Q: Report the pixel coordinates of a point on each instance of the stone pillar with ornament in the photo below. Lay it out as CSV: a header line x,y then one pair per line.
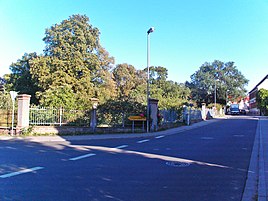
x,y
93,121
153,113
23,112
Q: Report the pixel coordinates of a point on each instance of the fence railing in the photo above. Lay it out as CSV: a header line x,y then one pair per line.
x,y
61,117
169,116
58,117
115,121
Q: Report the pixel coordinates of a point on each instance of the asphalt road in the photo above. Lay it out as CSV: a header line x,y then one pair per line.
x,y
209,163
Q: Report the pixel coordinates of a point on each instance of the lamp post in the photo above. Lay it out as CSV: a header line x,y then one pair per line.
x,y
215,95
227,97
148,75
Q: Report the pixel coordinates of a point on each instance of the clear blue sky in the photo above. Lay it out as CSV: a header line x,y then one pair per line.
x,y
188,32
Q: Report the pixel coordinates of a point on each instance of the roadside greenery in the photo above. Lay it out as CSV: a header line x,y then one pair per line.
x,y
225,77
262,101
74,67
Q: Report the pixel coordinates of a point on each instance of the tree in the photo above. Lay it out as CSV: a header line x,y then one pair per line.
x,y
262,101
170,94
2,82
130,83
20,79
74,65
224,76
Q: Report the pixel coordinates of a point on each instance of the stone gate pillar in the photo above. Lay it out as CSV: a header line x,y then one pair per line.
x,y
23,111
204,115
153,113
93,120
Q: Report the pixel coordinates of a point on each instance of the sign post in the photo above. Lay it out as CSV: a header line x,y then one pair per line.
x,y
13,95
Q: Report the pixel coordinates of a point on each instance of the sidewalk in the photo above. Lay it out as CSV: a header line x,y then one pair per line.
x,y
256,187
263,161
56,138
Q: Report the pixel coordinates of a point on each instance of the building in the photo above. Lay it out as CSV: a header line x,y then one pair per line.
x,y
263,84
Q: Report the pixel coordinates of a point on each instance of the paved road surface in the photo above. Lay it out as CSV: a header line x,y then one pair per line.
x,y
209,163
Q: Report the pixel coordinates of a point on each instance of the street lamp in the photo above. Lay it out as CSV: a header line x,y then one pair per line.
x,y
215,95
148,74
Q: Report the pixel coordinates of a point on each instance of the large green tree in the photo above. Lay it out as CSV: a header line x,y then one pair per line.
x,y
74,67
225,77
169,93
20,79
130,83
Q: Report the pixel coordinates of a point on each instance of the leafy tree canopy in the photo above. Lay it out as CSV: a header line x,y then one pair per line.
x,y
20,79
130,83
170,94
224,76
74,66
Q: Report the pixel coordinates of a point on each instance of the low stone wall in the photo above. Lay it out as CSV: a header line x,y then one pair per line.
x,y
61,130
69,130
4,131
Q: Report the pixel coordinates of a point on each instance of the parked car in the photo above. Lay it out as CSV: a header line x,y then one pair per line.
x,y
243,112
234,109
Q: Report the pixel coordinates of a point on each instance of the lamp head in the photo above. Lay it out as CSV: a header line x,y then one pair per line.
x,y
150,30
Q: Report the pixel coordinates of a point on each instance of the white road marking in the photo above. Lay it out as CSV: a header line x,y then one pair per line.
x,y
153,156
12,174
243,170
207,138
239,135
8,147
81,157
160,136
121,147
142,141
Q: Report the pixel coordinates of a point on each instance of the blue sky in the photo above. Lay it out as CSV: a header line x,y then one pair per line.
x,y
188,32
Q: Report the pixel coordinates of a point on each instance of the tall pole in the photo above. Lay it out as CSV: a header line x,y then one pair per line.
x,y
12,123
148,77
215,94
13,95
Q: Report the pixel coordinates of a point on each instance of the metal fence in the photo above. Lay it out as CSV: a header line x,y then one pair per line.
x,y
169,116
191,115
115,121
58,117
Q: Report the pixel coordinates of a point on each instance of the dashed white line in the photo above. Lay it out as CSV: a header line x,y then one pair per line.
x,y
239,135
121,147
142,141
160,136
207,138
81,157
12,174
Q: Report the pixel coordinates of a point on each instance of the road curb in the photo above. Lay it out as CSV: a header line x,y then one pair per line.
x,y
262,194
250,190
255,188
111,136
